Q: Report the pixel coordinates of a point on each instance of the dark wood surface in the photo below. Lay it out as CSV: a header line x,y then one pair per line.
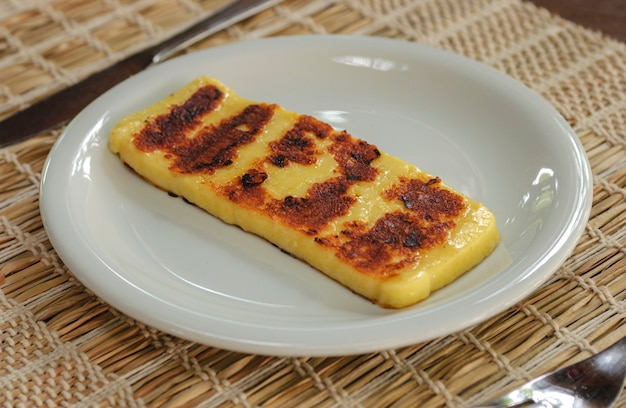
x,y
607,16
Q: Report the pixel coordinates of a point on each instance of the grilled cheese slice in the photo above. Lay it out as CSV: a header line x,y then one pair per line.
x,y
380,226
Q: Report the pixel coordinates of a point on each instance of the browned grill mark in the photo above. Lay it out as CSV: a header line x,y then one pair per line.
x,y
253,178
396,239
392,243
354,157
213,147
169,130
298,143
216,146
427,199
323,203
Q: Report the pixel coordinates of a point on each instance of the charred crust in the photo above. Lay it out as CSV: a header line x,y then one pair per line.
x,y
253,178
279,160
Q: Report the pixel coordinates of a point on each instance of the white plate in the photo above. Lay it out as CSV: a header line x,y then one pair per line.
x,y
172,266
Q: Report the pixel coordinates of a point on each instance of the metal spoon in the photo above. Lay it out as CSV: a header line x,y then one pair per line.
x,y
592,383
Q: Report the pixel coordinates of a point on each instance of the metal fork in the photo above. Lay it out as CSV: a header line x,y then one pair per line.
x,y
592,383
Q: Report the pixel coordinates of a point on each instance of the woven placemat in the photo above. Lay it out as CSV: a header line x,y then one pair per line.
x,y
61,345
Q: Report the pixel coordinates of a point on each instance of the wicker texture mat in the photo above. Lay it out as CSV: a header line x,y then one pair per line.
x,y
61,345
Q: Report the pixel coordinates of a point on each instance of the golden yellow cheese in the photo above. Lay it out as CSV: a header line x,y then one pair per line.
x,y
380,226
